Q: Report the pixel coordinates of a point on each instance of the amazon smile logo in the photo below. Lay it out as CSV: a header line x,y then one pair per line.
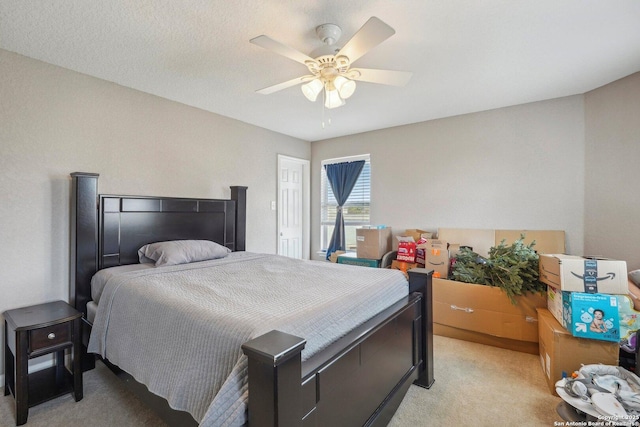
x,y
608,276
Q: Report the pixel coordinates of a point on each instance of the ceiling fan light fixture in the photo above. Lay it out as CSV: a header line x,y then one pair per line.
x,y
344,86
333,99
312,89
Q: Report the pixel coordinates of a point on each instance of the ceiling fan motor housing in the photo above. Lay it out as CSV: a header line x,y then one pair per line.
x,y
328,33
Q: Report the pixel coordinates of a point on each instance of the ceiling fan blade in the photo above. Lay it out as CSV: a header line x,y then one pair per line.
x,y
384,77
370,35
284,85
277,47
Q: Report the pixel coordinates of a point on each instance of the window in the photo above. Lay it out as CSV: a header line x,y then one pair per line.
x,y
355,212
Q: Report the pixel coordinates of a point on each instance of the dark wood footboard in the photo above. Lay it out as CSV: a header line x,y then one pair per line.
x,y
359,380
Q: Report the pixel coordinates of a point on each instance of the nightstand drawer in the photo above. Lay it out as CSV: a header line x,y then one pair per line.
x,y
49,336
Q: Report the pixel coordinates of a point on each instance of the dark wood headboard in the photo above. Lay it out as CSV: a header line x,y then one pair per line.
x,y
108,230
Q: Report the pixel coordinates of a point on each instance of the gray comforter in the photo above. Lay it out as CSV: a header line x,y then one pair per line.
x,y
179,329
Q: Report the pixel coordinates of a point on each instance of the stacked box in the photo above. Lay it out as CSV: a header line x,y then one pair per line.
x,y
592,316
561,353
373,243
436,257
351,259
582,294
406,251
584,274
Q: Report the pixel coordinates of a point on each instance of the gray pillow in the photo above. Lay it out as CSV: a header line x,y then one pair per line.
x,y
181,252
635,277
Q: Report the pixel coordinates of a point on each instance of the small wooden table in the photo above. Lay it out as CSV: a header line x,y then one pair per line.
x,y
36,331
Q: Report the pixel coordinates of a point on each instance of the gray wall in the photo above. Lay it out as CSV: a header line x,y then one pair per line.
x,y
516,167
569,164
519,167
54,121
612,182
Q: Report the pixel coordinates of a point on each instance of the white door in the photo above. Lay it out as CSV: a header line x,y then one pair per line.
x,y
293,194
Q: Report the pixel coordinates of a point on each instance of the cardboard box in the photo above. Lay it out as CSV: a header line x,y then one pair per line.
x,y
561,353
485,314
481,240
334,255
592,316
580,274
436,257
416,233
406,251
420,251
555,305
373,243
350,258
477,337
629,317
454,249
547,241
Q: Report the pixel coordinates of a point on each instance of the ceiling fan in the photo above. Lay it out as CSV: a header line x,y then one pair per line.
x,y
330,67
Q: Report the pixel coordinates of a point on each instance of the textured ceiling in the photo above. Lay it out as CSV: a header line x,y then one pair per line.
x,y
465,56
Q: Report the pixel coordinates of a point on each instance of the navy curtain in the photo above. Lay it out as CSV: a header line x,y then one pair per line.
x,y
342,177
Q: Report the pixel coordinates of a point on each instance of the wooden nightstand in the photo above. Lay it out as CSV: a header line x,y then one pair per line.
x,y
35,331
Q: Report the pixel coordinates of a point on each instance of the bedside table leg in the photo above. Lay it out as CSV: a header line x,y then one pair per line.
x,y
77,359
22,378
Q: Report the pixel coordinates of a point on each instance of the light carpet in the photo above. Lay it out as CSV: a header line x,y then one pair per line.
x,y
475,385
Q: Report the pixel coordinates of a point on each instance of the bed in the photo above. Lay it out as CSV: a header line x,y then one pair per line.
x,y
352,370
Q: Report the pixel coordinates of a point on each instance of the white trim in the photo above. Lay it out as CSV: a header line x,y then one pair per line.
x,y
306,203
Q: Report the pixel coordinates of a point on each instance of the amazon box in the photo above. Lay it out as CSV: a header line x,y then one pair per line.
x,y
561,353
582,274
436,257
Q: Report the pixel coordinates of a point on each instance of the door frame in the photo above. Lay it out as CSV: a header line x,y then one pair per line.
x,y
306,203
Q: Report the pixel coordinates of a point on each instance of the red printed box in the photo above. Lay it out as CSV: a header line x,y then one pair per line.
x,y
406,251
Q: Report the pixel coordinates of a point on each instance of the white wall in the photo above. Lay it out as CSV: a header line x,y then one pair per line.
x,y
612,183
519,167
54,121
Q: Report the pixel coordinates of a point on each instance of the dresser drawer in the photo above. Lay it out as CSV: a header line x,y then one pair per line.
x,y
50,336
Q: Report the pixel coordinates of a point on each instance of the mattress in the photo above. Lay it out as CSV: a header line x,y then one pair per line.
x,y
179,329
100,279
92,309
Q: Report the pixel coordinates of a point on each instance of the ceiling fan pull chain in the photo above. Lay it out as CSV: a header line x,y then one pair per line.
x,y
323,101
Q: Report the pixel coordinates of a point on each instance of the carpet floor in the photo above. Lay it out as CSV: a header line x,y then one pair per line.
x,y
475,385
